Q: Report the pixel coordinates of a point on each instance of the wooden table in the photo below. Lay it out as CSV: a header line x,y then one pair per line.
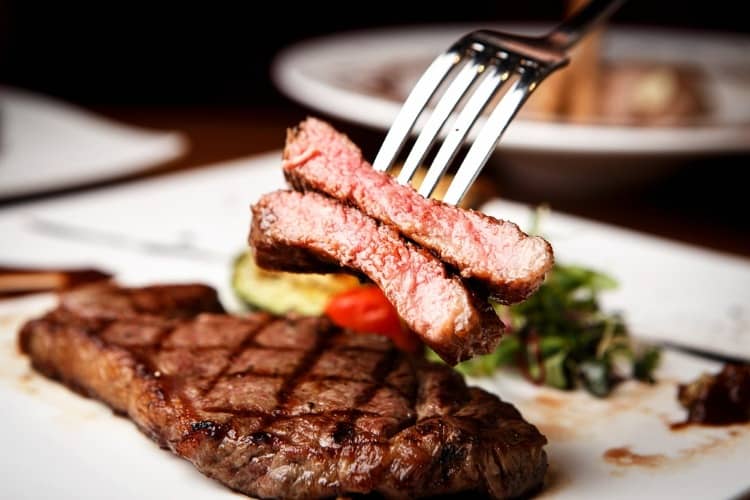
x,y
704,203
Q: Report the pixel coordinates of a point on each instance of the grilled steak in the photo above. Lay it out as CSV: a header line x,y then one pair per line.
x,y
493,252
113,302
435,304
289,407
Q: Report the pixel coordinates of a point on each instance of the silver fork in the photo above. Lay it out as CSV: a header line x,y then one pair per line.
x,y
489,58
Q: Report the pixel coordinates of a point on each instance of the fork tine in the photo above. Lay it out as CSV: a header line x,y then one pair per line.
x,y
489,136
413,106
448,102
477,102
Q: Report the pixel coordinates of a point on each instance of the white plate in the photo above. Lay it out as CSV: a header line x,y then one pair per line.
x,y
46,144
189,227
336,74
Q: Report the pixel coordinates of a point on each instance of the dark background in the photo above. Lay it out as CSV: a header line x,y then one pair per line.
x,y
218,52
203,69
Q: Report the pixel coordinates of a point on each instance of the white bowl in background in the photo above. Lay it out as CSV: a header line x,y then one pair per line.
x,y
335,75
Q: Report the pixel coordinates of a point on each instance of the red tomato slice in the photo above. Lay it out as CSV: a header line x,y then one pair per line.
x,y
365,309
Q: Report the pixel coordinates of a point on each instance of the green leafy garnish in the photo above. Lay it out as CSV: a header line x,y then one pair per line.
x,y
645,364
560,336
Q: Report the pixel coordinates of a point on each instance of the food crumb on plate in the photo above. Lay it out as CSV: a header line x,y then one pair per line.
x,y
623,456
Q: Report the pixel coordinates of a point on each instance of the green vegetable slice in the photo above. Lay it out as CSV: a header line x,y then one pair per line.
x,y
280,293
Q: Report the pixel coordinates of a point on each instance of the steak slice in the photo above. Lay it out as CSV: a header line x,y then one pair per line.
x,y
308,232
493,252
291,407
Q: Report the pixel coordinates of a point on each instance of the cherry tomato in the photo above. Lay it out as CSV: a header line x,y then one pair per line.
x,y
365,309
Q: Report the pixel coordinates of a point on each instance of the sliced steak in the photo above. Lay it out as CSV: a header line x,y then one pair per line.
x,y
293,231
291,407
493,252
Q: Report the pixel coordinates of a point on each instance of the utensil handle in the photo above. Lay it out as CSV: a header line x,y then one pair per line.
x,y
581,22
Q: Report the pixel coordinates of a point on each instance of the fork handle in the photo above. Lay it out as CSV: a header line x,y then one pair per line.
x,y
581,22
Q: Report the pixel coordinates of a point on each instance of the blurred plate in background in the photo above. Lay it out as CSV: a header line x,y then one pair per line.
x,y
47,145
364,76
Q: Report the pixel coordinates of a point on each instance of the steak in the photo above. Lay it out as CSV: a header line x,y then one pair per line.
x,y
309,232
492,252
288,407
110,301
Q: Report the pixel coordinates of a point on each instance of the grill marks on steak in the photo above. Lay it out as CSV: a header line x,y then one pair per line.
x,y
496,253
434,303
290,407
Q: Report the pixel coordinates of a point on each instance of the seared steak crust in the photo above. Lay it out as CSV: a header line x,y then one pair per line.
x,y
495,253
114,302
309,232
291,407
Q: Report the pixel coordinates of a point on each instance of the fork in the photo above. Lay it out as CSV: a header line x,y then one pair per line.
x,y
487,59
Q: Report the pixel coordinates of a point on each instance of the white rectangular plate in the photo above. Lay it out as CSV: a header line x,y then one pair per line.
x,y
189,227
